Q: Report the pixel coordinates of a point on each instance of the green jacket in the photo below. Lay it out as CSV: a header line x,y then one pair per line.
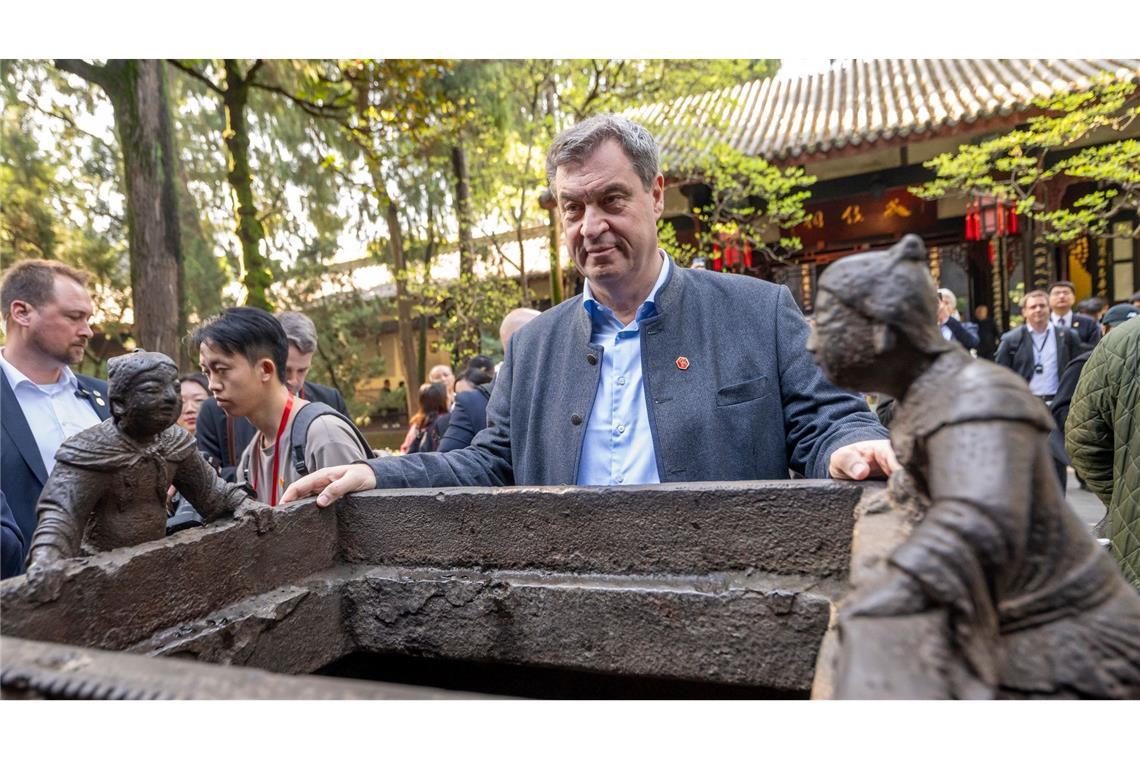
x,y
1102,436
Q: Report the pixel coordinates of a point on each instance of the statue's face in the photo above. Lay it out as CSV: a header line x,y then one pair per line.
x,y
843,343
151,404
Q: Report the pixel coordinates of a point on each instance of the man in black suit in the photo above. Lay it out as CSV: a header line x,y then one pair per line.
x,y
987,332
1062,295
46,313
1038,350
222,438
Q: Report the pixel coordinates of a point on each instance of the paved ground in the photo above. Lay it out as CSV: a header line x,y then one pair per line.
x,y
1084,502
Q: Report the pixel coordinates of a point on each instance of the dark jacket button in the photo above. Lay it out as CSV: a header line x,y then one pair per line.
x,y
575,419
592,360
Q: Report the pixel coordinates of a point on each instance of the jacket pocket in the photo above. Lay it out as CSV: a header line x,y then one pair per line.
x,y
750,390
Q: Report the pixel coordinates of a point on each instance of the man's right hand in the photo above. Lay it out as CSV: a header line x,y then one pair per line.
x,y
333,483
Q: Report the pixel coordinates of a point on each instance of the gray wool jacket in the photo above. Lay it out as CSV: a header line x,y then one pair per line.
x,y
750,405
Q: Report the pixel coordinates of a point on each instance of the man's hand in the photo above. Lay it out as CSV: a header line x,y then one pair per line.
x,y
335,482
862,460
943,312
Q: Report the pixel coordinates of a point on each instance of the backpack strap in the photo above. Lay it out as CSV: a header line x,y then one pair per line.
x,y
300,433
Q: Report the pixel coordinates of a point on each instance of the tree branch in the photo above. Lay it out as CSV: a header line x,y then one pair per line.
x,y
66,119
317,110
249,75
196,74
92,73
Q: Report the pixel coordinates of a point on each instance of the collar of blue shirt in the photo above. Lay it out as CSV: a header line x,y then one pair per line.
x,y
648,308
17,378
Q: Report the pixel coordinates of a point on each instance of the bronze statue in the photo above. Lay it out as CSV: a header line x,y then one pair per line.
x,y
999,590
110,482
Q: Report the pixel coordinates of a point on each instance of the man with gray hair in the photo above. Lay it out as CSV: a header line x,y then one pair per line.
x,y
948,320
654,373
223,438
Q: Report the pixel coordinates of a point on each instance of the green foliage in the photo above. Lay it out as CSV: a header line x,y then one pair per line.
x,y
347,326
59,194
484,301
1054,146
333,146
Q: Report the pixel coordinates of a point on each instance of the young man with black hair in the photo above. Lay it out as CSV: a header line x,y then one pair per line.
x,y
222,437
244,352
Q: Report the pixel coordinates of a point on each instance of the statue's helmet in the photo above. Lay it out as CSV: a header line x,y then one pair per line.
x,y
891,287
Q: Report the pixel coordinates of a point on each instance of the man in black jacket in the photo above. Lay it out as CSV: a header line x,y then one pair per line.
x,y
948,325
1038,350
1062,295
222,438
987,332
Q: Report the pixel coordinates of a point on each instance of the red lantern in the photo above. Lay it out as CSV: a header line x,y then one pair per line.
x,y
987,217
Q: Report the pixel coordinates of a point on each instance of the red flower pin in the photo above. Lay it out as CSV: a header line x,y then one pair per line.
x,y
682,362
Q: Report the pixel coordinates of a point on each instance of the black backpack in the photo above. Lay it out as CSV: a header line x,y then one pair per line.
x,y
300,433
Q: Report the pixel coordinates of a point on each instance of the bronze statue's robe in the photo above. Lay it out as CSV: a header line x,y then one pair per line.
x,y
1034,606
106,491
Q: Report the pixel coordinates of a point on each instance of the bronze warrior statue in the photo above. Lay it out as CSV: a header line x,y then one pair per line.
x,y
999,590
109,485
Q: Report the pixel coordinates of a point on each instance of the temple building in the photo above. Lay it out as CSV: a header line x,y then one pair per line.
x,y
864,128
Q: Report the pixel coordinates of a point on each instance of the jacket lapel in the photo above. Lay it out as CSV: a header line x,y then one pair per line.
x,y
1062,353
94,397
1026,355
16,429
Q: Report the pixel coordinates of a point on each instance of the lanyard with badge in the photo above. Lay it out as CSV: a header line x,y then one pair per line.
x,y
1039,353
276,454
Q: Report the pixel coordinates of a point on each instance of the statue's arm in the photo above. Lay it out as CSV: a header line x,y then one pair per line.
x,y
981,477
62,512
211,496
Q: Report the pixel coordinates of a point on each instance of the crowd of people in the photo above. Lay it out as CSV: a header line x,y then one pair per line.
x,y
640,379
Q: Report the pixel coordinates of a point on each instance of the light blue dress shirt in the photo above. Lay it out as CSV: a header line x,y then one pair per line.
x,y
1045,354
618,445
53,411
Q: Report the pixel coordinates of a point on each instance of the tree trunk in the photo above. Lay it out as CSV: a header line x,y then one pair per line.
x,y
463,209
399,265
403,305
256,274
555,259
429,251
467,341
552,212
137,90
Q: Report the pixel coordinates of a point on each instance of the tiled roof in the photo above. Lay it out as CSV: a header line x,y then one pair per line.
x,y
862,102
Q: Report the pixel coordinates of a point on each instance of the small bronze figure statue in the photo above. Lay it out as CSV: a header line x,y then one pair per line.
x,y
110,482
999,591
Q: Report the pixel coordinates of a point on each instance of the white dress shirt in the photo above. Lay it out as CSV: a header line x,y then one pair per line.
x,y
1065,321
54,412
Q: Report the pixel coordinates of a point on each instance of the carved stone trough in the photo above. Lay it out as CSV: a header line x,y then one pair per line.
x,y
710,589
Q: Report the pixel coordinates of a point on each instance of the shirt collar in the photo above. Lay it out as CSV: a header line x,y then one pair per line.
x,y
16,377
648,306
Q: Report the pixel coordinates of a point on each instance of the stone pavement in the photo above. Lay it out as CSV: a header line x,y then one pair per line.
x,y
1085,503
